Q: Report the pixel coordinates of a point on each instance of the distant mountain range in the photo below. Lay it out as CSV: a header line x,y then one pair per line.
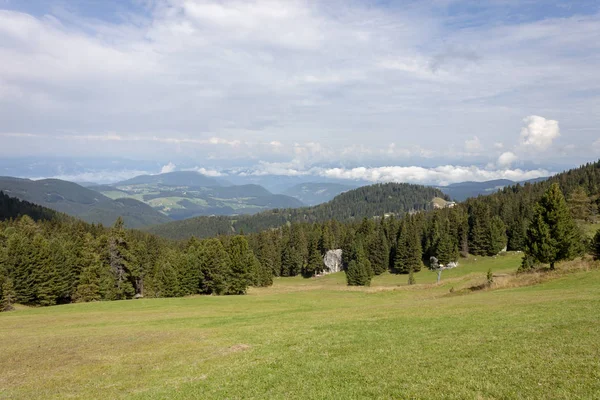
x,y
75,200
186,194
355,204
463,190
156,199
313,193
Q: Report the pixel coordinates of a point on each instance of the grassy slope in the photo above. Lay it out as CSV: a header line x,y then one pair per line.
x,y
293,342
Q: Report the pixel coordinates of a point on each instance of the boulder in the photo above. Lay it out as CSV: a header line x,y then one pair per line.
x,y
332,261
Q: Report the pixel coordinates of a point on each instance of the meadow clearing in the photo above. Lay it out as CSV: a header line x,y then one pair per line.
x,y
316,338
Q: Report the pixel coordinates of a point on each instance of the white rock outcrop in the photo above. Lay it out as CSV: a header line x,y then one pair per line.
x,y
332,261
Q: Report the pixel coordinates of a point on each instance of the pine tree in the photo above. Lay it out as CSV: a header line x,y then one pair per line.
x,y
263,274
497,236
315,264
45,275
378,251
447,250
8,296
479,222
120,259
408,250
580,204
165,281
215,266
326,241
88,288
241,261
553,235
267,253
357,274
188,270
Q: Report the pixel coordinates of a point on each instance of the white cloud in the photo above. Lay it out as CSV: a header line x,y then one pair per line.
x,y
473,145
539,132
441,175
241,74
507,158
209,172
498,145
596,144
170,167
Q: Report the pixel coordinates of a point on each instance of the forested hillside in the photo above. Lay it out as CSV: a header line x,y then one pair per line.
x,y
58,260
186,194
75,200
11,208
48,258
366,201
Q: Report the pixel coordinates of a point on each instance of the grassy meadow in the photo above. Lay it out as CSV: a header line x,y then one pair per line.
x,y
318,339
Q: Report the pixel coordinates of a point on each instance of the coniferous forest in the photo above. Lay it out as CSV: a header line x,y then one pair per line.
x,y
48,258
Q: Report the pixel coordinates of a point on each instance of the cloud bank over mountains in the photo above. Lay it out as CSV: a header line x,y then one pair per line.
x,y
420,91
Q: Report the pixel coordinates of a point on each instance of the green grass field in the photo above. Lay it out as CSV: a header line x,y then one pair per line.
x,y
318,339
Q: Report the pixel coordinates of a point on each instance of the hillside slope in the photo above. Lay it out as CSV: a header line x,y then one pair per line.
x,y
12,208
187,194
77,201
366,201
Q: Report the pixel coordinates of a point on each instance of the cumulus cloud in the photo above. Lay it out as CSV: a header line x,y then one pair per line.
x,y
209,172
170,167
507,158
539,133
473,145
441,175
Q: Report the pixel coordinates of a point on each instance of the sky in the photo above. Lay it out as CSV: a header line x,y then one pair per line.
x,y
436,91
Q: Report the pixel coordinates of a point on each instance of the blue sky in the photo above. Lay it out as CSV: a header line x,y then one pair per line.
x,y
422,91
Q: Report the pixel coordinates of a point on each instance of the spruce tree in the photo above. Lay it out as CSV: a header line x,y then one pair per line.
x,y
120,259
326,241
479,222
497,236
553,235
263,274
580,204
357,274
378,251
8,296
88,288
241,261
215,266
45,273
408,250
315,263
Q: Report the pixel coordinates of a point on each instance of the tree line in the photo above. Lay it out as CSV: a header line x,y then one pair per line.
x,y
58,260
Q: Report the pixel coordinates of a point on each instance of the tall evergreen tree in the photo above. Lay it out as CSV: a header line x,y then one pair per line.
x,y
497,236
479,222
357,274
378,251
580,204
553,235
408,250
241,262
8,296
315,261
215,266
120,260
